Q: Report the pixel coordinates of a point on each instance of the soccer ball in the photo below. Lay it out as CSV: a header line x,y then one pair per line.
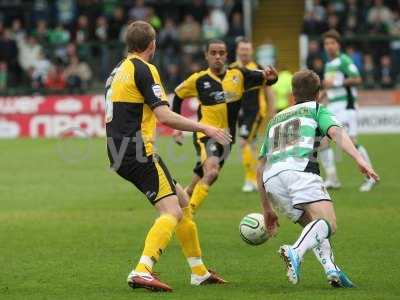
x,y
252,229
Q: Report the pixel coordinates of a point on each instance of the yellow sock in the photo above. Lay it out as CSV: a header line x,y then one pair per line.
x,y
200,192
253,165
249,163
186,232
156,241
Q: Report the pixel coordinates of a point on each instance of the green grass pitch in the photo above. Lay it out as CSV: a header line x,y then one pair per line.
x,y
71,229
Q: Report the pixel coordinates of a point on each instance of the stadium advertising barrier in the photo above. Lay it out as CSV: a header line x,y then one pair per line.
x,y
58,116
51,116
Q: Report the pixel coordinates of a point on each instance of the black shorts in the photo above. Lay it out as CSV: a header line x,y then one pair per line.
x,y
151,177
249,123
205,148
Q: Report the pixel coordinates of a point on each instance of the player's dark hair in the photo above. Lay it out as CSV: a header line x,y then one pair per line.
x,y
139,35
213,41
332,34
305,86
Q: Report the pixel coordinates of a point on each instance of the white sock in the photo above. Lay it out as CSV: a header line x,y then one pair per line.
x,y
323,253
364,153
327,158
311,236
147,261
194,261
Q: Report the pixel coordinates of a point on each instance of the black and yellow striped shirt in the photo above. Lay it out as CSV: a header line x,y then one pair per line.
x,y
133,90
219,96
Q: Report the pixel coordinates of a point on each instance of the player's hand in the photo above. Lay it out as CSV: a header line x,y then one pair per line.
x,y
328,83
270,74
177,135
367,170
271,222
217,134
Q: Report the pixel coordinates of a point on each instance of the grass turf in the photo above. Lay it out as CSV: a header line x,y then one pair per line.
x,y
71,229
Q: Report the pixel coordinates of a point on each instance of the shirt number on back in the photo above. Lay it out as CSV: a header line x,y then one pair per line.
x,y
285,135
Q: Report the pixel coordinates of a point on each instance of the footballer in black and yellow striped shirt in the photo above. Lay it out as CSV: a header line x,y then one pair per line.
x,y
134,89
135,98
219,91
253,114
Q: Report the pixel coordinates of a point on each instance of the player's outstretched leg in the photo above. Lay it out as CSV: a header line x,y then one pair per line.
x,y
311,236
324,254
368,184
187,234
200,192
189,189
336,277
156,241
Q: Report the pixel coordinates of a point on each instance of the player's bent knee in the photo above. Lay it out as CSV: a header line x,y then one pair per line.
x,y
176,212
211,175
189,190
183,197
170,205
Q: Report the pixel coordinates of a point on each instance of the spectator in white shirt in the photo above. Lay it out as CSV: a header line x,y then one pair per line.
x,y
29,53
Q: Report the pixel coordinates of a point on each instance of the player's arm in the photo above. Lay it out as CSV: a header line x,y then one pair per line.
x,y
271,103
178,122
352,73
329,126
352,81
344,142
257,78
186,89
149,84
270,217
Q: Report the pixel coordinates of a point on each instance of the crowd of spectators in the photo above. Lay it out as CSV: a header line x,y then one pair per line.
x,y
71,45
370,32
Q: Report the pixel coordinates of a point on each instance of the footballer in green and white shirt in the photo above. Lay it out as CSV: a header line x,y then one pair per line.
x,y
341,78
288,177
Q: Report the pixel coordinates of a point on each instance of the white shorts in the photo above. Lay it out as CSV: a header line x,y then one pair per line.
x,y
289,189
348,117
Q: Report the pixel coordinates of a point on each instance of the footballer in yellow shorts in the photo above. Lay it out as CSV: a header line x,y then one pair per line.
x,y
135,100
219,90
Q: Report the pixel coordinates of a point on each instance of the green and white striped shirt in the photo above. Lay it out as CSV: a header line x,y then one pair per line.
x,y
292,137
337,70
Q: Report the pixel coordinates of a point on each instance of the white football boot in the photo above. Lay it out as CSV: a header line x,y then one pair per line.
x,y
249,187
332,184
367,185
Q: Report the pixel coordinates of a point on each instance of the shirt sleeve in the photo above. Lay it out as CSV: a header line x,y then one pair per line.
x,y
149,84
252,78
187,88
349,68
177,104
326,120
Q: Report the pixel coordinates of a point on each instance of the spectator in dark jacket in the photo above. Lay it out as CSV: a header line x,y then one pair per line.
x,y
386,75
